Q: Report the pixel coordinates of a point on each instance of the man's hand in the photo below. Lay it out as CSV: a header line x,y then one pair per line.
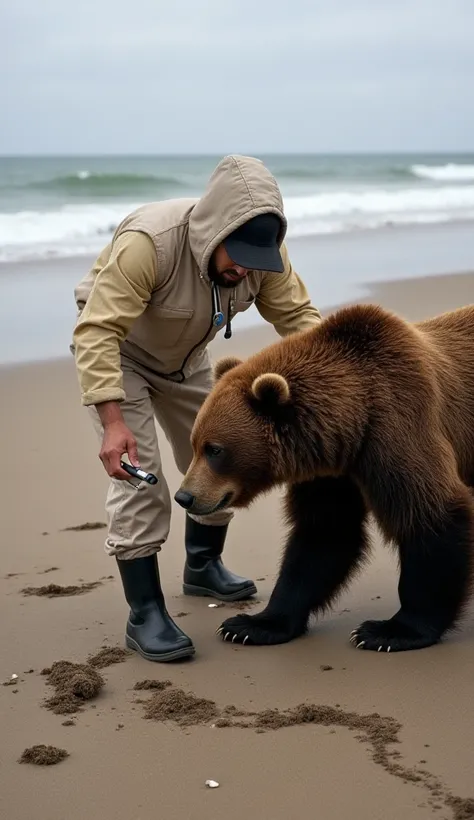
x,y
117,440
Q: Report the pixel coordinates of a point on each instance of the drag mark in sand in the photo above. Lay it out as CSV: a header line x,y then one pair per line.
x,y
179,706
107,656
59,591
42,755
463,808
89,525
149,684
242,606
184,709
76,683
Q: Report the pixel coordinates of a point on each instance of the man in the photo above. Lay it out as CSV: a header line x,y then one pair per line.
x,y
175,273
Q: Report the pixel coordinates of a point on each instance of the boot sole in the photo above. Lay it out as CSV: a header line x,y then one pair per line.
x,y
165,657
203,592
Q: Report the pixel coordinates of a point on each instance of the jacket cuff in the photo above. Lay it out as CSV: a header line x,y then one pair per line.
x,y
101,395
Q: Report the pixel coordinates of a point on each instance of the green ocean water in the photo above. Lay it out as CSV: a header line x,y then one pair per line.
x,y
69,206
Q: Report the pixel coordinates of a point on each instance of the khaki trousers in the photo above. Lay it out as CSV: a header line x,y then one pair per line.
x,y
138,513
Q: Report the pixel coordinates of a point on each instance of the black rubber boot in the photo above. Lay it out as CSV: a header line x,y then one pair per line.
x,y
204,572
150,630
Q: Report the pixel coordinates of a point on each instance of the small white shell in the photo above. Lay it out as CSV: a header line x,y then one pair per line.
x,y
212,606
14,677
212,784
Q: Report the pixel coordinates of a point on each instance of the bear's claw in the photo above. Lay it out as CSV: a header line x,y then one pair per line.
x,y
228,631
354,639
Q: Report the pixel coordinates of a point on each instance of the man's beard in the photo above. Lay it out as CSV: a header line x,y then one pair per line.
x,y
218,278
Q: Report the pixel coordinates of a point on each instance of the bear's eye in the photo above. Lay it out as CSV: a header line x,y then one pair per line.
x,y
212,450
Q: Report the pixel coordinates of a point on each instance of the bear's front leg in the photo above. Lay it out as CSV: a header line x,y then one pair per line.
x,y
326,544
436,561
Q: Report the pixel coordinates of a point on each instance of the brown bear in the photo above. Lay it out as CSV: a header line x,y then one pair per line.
x,y
364,414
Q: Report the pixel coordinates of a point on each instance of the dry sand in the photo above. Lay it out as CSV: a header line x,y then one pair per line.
x,y
314,729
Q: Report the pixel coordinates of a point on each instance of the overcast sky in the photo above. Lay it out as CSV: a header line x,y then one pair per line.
x,y
148,76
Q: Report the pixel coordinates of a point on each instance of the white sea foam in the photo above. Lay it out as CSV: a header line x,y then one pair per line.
x,y
337,211
69,231
444,173
84,229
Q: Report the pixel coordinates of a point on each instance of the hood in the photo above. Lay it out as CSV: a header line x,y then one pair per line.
x,y
239,189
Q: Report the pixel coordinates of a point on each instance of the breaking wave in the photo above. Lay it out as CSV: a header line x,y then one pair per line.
x,y
84,228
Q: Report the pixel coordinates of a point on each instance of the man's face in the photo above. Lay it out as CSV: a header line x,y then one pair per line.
x,y
222,269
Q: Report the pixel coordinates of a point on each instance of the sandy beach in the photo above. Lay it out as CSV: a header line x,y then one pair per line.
x,y
124,760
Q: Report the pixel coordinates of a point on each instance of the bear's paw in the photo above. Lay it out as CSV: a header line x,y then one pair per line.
x,y
393,635
259,630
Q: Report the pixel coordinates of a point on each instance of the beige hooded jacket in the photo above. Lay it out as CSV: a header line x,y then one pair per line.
x,y
149,295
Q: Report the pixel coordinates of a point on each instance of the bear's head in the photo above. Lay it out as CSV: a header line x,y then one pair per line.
x,y
236,439
297,409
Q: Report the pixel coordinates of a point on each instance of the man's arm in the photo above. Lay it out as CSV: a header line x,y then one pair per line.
x,y
284,301
120,293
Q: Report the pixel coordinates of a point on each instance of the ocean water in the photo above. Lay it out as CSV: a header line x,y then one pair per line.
x,y
69,206
57,213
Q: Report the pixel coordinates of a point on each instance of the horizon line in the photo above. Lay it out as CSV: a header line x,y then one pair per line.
x,y
207,154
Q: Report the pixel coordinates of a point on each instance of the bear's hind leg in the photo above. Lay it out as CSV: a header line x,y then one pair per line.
x,y
436,560
326,545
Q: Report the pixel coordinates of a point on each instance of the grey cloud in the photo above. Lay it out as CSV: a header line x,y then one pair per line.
x,y
249,75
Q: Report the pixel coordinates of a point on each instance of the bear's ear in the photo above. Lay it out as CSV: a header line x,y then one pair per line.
x,y
223,365
271,391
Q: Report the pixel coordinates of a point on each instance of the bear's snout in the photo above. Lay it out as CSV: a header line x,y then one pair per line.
x,y
184,498
201,505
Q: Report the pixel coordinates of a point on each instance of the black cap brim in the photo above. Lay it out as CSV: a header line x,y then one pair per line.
x,y
254,257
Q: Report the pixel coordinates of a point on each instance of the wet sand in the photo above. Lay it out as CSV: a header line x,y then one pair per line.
x,y
127,757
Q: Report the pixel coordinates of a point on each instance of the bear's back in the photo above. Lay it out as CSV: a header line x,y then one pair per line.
x,y
421,363
449,340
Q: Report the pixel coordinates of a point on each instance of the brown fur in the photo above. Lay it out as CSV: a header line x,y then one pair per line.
x,y
363,378
365,395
